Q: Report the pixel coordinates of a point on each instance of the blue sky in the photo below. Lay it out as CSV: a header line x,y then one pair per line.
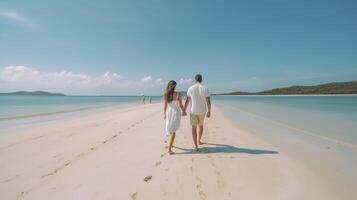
x,y
132,47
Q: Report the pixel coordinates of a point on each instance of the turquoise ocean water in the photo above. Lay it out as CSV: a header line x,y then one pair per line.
x,y
18,111
330,117
319,132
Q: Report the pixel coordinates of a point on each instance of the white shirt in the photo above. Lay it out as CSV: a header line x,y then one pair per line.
x,y
198,94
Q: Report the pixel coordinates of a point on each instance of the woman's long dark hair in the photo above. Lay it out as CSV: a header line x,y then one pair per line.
x,y
170,90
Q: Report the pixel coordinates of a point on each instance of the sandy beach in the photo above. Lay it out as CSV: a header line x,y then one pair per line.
x,y
121,154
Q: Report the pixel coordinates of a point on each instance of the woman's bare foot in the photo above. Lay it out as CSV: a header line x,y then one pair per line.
x,y
201,143
171,152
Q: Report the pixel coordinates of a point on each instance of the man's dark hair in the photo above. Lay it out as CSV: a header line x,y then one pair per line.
x,y
198,78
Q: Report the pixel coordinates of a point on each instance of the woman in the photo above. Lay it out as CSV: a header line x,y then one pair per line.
x,y
172,112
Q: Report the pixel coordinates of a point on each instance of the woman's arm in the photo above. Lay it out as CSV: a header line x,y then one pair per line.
x,y
165,106
181,105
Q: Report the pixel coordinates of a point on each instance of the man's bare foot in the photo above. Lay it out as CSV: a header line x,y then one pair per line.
x,y
201,143
171,152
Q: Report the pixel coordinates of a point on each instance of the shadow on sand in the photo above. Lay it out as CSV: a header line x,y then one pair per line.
x,y
223,148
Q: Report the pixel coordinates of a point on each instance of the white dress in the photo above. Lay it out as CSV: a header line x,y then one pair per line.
x,y
173,117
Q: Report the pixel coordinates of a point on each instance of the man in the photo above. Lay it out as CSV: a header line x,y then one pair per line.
x,y
200,107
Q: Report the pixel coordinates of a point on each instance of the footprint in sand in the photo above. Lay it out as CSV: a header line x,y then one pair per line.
x,y
147,178
201,193
157,163
198,186
133,196
56,170
19,196
80,155
7,180
219,181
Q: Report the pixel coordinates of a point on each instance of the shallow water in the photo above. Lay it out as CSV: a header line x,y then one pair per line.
x,y
318,131
20,111
330,117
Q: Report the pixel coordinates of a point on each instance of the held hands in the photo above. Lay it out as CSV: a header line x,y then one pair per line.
x,y
208,114
184,113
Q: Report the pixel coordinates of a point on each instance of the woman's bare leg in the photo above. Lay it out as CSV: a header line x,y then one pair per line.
x,y
171,142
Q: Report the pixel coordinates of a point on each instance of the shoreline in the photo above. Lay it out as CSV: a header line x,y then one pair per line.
x,y
77,110
29,121
330,159
80,155
287,95
92,156
319,136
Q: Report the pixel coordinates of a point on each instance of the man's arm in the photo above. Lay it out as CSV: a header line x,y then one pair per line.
x,y
208,101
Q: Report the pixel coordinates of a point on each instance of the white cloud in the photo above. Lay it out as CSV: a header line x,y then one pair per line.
x,y
23,74
13,78
146,79
184,81
159,81
15,16
26,78
151,81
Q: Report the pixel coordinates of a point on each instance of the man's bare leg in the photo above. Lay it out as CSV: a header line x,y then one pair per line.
x,y
200,133
194,136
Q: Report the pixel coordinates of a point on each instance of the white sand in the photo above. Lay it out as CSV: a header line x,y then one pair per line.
x,y
108,155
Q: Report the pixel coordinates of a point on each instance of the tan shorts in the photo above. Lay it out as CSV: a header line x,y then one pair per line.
x,y
197,119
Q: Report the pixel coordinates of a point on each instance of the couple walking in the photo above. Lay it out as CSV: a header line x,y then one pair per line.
x,y
200,106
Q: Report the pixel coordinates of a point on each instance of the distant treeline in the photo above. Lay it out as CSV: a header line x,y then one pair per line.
x,y
328,88
35,93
